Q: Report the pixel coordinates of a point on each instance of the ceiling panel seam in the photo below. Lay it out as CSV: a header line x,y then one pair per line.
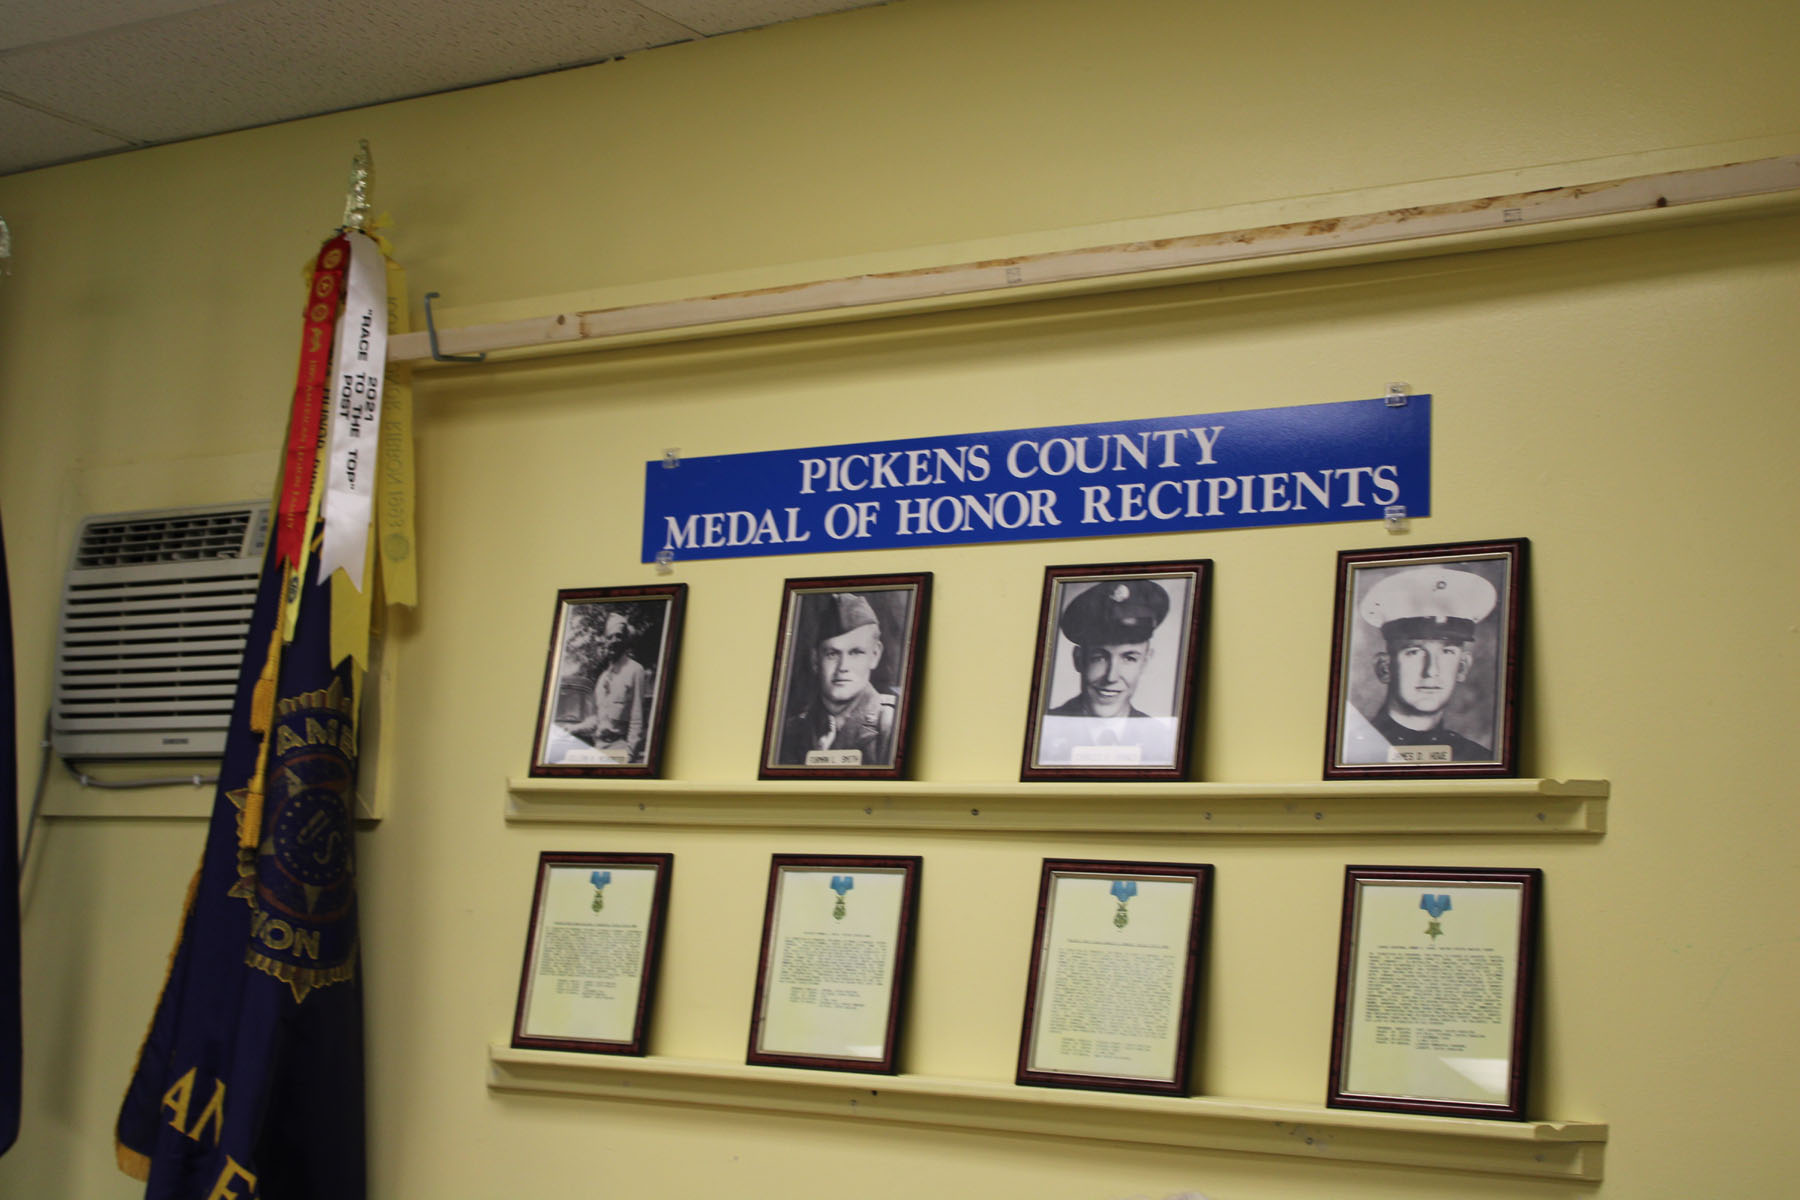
x,y
91,127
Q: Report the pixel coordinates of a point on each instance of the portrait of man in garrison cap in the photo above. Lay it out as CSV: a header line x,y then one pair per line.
x,y
1115,662
1424,646
843,676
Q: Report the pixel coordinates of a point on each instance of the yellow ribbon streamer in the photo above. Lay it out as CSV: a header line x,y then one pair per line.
x,y
395,534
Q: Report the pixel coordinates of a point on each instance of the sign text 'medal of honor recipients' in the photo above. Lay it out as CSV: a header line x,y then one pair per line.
x,y
1347,461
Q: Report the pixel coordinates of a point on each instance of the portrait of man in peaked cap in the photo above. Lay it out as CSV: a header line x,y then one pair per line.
x,y
843,676
1109,626
1113,666
1423,651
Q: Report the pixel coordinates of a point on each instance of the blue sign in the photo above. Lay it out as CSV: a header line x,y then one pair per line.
x,y
1303,465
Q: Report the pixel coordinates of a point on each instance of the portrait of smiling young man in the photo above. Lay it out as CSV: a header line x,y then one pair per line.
x,y
1116,663
1109,627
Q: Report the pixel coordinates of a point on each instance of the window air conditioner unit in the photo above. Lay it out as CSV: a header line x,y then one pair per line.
x,y
155,613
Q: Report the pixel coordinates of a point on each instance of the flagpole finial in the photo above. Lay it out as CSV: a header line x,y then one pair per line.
x,y
362,179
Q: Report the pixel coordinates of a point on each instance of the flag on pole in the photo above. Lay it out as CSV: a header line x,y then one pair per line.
x,y
250,1080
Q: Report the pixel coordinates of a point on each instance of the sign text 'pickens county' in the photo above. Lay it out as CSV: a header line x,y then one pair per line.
x,y
1276,466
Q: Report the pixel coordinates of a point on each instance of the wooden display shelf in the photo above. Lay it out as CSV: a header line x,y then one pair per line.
x,y
1545,1149
1407,806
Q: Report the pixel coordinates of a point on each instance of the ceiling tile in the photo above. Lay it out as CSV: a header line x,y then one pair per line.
x,y
245,64
724,16
152,71
27,22
36,139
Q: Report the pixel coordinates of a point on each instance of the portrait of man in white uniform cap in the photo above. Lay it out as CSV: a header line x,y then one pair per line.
x,y
1421,666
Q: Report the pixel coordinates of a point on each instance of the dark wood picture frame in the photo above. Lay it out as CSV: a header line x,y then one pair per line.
x,y
610,948
822,889
1066,737
1425,651
588,651
876,627
1098,909
1461,972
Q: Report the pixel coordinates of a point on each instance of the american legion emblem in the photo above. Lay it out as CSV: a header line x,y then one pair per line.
x,y
300,880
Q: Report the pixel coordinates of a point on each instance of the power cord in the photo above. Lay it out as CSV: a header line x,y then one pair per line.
x,y
87,781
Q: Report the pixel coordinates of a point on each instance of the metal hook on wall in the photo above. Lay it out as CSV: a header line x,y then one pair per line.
x,y
431,334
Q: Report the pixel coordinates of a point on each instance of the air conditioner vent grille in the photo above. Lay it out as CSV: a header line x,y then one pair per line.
x,y
180,537
156,610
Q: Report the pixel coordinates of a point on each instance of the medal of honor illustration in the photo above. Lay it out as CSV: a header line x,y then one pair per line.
x,y
600,879
841,884
1435,907
1123,890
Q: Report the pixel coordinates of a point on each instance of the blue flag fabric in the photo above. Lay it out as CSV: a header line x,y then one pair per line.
x,y
250,1081
11,1049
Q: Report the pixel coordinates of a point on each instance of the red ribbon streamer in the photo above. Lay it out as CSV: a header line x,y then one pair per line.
x,y
311,383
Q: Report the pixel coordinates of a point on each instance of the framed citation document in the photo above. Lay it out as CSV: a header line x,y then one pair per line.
x,y
1434,981
832,972
591,953
1115,963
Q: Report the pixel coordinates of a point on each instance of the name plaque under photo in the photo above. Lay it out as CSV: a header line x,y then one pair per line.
x,y
1304,464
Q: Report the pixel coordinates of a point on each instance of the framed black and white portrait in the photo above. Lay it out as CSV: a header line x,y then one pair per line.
x,y
846,661
607,684
1425,661
1118,653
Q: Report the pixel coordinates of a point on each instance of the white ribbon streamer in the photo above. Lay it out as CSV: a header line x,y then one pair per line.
x,y
357,360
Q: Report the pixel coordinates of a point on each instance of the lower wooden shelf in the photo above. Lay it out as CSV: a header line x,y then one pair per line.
x,y
1545,1149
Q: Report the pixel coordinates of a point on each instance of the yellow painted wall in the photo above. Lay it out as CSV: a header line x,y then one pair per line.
x,y
1625,403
